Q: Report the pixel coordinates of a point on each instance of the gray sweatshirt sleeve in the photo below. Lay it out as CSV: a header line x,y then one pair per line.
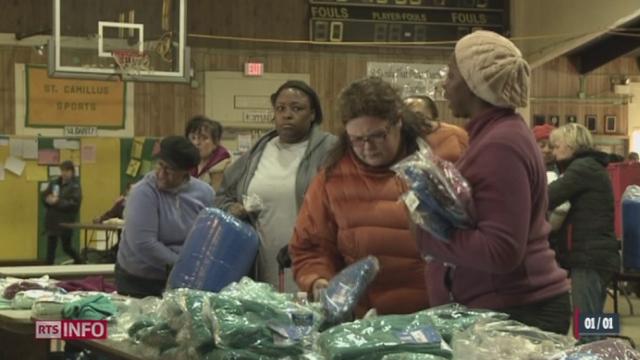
x,y
141,226
227,194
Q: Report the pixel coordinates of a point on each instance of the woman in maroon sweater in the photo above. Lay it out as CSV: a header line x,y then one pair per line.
x,y
505,262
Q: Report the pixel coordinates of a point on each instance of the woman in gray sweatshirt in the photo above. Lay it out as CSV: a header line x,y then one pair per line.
x,y
160,211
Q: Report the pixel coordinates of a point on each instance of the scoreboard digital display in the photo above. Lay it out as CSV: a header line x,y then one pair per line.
x,y
404,20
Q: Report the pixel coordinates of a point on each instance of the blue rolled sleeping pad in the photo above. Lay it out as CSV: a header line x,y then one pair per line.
x,y
441,221
219,250
631,233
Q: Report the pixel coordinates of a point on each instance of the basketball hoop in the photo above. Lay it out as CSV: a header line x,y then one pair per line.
x,y
131,62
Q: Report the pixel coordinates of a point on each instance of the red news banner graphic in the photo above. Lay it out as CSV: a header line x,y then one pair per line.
x,y
72,329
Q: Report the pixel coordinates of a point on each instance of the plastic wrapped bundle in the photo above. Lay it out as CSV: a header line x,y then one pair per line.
x,y
412,356
219,250
375,337
26,299
507,340
236,354
608,349
188,312
439,198
254,317
452,318
346,288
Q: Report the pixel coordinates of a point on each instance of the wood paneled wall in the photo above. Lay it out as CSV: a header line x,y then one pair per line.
x,y
162,109
9,56
555,89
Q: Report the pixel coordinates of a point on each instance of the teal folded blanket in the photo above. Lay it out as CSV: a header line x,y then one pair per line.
x,y
95,307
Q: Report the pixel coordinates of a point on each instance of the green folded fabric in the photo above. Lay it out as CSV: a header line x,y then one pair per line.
x,y
254,317
375,337
452,318
95,307
412,356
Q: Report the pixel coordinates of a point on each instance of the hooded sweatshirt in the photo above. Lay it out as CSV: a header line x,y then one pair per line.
x,y
157,223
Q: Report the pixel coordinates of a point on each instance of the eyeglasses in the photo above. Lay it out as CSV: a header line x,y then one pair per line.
x,y
376,137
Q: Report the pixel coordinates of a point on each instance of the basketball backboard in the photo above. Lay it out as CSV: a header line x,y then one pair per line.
x,y
136,40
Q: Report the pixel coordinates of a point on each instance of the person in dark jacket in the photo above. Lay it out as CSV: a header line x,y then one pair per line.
x,y
62,200
590,249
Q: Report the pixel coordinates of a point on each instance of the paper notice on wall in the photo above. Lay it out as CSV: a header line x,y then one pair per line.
x,y
133,168
30,149
65,154
73,144
44,186
60,143
54,171
4,142
15,147
136,149
49,157
75,157
14,165
88,153
66,144
36,172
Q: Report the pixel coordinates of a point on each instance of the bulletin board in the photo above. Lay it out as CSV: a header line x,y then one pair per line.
x,y
22,213
137,158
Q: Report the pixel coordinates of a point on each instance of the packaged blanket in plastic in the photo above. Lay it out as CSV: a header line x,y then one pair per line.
x,y
375,337
219,250
9,286
25,299
439,198
179,326
608,349
412,356
345,289
254,317
507,340
452,318
189,313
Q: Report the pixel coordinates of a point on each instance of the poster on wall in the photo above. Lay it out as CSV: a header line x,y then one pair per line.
x,y
55,102
411,79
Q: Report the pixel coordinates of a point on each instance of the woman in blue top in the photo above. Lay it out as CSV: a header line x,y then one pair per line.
x,y
160,211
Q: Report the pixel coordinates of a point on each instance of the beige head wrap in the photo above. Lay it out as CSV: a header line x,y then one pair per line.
x,y
493,68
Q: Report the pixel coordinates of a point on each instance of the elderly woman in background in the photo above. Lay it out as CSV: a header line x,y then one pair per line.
x,y
160,211
352,208
450,140
505,262
205,134
589,249
558,214
278,169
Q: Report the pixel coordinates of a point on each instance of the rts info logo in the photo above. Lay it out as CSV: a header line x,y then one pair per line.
x,y
71,329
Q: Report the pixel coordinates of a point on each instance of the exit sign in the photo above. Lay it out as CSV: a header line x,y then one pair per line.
x,y
253,69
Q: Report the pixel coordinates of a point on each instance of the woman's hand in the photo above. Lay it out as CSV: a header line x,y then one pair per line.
x,y
318,287
237,210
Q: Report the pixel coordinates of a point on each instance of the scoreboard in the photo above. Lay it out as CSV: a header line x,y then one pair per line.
x,y
404,20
